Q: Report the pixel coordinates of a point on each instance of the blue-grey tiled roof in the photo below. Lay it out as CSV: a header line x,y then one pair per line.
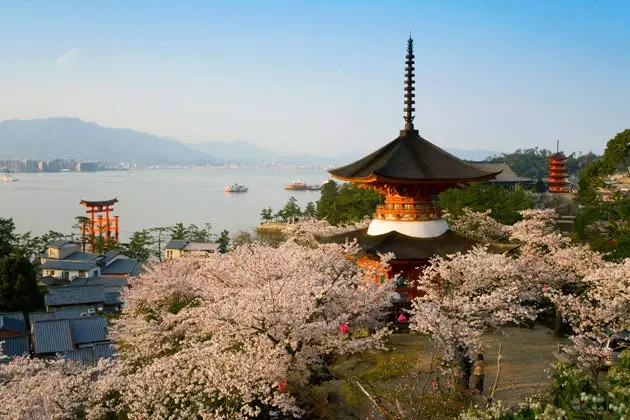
x,y
109,255
52,336
68,265
85,355
127,266
91,355
82,256
109,281
41,316
89,329
12,324
104,351
14,315
71,312
112,298
75,295
176,244
15,346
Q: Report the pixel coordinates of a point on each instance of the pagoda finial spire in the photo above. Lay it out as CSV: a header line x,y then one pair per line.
x,y
557,146
409,88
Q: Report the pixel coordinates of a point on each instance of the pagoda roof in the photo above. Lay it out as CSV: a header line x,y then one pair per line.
x,y
411,248
99,203
410,157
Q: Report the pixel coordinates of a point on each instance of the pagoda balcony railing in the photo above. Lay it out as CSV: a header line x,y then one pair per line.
x,y
408,212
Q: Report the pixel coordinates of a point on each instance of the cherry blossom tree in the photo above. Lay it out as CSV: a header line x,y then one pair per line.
x,y
232,335
38,389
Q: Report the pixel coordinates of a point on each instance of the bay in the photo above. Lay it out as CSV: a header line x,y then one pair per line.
x,y
39,202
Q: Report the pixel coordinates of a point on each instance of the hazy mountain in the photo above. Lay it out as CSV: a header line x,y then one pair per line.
x,y
473,154
66,138
243,152
247,153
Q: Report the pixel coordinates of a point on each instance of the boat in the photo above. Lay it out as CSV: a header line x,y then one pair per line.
x,y
297,186
236,188
314,187
7,178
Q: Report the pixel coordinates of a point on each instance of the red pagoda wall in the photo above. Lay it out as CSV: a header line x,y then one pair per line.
x,y
558,174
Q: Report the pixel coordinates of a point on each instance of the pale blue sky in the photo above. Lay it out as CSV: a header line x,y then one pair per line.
x,y
324,77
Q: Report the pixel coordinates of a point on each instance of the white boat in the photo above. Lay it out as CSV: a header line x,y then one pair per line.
x,y
297,186
7,178
236,188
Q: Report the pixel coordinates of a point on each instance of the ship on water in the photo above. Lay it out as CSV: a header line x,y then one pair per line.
x,y
302,186
236,188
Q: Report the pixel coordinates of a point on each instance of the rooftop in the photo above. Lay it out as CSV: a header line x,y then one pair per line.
x,y
13,325
413,248
101,203
410,158
201,246
506,174
176,244
75,295
68,265
15,346
61,335
122,266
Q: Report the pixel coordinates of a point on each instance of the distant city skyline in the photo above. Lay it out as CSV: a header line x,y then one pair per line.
x,y
324,78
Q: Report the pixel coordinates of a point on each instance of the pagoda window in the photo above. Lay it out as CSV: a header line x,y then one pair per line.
x,y
402,280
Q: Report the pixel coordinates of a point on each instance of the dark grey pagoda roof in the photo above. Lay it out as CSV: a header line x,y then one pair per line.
x,y
410,157
506,174
410,248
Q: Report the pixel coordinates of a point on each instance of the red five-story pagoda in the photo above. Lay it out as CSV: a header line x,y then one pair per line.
x,y
558,172
410,171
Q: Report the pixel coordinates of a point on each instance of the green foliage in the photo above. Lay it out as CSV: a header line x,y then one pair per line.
x,y
191,232
19,290
346,203
504,203
266,215
291,211
140,246
224,241
7,236
310,212
533,163
603,224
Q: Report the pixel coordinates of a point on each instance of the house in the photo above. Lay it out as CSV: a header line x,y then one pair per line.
x,y
66,336
506,177
64,261
14,339
176,249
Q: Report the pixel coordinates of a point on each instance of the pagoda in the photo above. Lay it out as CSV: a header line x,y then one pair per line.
x,y
410,172
558,172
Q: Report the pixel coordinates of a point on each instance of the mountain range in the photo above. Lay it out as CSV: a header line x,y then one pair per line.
x,y
52,138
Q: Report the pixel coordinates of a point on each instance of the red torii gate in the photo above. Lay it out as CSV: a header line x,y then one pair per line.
x,y
99,225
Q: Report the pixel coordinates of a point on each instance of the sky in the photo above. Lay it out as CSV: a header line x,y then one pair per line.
x,y
324,77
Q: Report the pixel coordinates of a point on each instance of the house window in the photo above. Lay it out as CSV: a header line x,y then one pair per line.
x,y
83,273
50,273
65,275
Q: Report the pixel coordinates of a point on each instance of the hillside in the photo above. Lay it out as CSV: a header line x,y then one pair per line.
x,y
52,138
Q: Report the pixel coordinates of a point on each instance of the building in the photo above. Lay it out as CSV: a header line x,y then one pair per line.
x,y
176,249
410,171
13,334
65,261
506,177
30,165
42,166
86,167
